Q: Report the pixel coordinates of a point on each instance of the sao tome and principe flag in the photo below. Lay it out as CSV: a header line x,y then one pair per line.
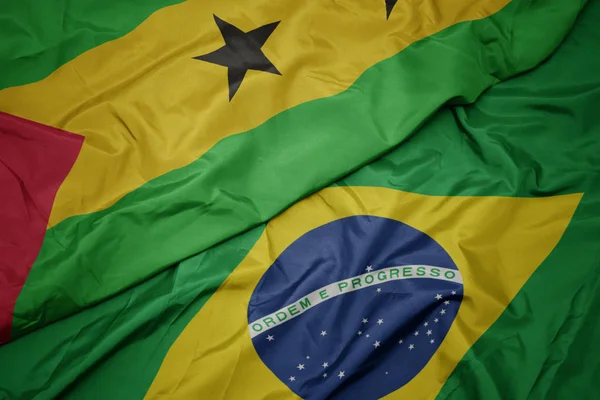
x,y
180,154
331,199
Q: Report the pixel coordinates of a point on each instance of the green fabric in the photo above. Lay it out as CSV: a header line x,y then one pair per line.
x,y
248,178
114,349
40,36
535,135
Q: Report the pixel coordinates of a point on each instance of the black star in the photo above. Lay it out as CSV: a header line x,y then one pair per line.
x,y
241,52
389,6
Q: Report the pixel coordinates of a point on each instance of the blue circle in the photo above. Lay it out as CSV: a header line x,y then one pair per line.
x,y
362,344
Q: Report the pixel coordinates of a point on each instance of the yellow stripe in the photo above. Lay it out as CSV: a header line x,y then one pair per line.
x,y
496,242
146,107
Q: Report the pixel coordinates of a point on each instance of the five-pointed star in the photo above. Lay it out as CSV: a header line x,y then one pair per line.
x,y
412,346
369,268
341,374
378,290
443,311
325,375
377,343
447,302
270,338
429,332
292,378
308,357
364,321
325,365
359,333
323,333
242,52
368,335
438,296
454,292
400,341
436,320
300,366
432,341
426,323
416,333
389,6
379,321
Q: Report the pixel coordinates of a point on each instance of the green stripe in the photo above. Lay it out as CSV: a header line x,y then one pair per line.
x,y
38,36
248,178
114,349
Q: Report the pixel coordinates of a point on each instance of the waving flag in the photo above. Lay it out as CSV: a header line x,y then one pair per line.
x,y
144,156
358,292
159,171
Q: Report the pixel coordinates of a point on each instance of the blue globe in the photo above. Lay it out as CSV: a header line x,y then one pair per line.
x,y
354,309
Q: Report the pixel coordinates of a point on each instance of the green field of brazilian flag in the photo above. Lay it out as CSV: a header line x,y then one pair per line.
x,y
331,199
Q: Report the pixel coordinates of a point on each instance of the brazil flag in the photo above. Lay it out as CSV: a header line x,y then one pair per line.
x,y
321,200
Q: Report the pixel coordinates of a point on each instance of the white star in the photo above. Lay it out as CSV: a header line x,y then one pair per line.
x,y
443,311
325,375
400,341
369,268
426,323
379,321
325,365
438,296
436,320
416,333
386,372
292,378
447,302
270,338
300,366
429,332
431,341
368,335
364,321
377,343
359,333
323,333
378,290
308,357
341,374
412,346
454,292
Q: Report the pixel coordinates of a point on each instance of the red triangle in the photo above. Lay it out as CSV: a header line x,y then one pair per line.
x,y
34,161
